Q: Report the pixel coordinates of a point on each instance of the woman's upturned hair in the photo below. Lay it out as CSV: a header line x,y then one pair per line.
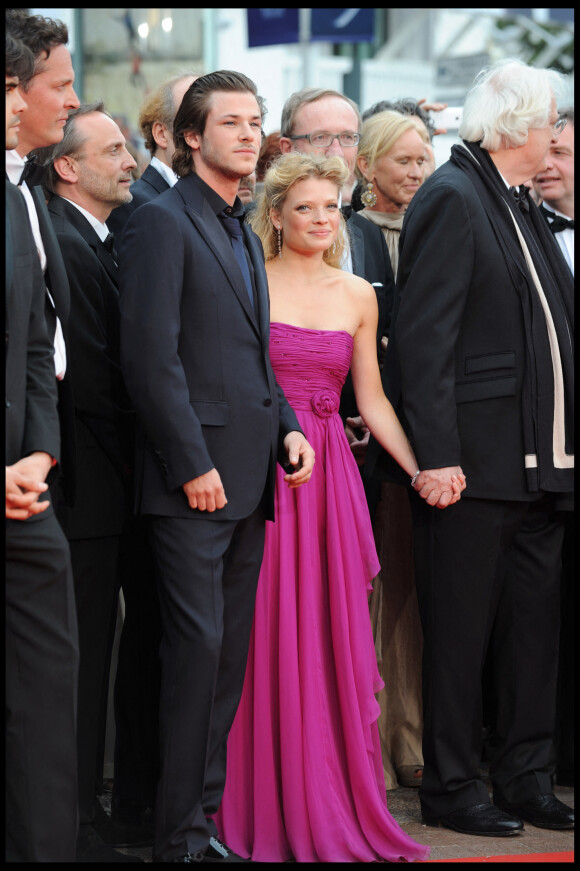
x,y
506,101
280,178
381,131
192,114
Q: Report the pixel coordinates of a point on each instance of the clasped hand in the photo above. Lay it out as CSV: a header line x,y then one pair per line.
x,y
24,483
441,487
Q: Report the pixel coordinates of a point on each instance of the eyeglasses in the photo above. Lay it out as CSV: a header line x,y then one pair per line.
x,y
559,125
325,140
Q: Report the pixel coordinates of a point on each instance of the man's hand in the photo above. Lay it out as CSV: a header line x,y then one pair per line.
x,y
206,493
440,487
24,481
301,456
358,445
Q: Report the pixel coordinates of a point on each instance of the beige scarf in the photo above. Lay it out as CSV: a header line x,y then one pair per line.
x,y
390,223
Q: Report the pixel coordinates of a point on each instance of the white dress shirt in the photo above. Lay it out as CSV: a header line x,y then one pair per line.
x,y
565,238
165,171
14,167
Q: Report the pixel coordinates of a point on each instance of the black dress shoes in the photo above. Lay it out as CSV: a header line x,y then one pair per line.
x,y
218,852
477,819
544,811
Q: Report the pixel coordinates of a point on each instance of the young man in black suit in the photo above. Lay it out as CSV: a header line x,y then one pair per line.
x,y
137,677
479,364
194,348
156,125
89,174
41,631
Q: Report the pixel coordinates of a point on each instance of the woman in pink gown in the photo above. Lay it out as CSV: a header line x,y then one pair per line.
x,y
304,769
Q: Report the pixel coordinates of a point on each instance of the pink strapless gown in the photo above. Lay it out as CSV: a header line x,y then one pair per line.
x,y
304,770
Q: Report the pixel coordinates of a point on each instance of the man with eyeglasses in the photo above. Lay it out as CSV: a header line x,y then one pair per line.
x,y
481,350
325,122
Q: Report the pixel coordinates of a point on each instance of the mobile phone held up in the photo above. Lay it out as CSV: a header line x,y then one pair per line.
x,y
448,119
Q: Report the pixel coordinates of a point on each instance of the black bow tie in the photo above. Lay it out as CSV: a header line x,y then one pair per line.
x,y
520,195
33,173
555,222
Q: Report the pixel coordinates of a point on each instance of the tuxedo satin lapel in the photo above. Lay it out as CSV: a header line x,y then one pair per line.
x,y
209,227
357,248
55,276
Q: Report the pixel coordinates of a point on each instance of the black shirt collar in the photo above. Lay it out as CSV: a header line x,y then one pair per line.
x,y
217,203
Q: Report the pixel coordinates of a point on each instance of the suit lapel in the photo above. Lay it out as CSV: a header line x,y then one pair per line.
x,y
257,257
89,234
357,248
154,178
209,227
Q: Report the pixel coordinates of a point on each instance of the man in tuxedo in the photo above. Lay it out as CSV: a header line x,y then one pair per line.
x,y
156,125
41,630
194,350
555,188
479,367
89,174
325,122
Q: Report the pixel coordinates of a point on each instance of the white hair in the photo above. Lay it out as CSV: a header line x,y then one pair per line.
x,y
506,100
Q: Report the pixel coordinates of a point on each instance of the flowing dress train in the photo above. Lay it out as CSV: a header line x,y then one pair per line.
x,y
304,770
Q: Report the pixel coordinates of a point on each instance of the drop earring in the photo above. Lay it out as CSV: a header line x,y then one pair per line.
x,y
279,241
369,197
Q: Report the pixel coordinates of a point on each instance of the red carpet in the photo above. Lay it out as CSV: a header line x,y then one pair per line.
x,y
525,857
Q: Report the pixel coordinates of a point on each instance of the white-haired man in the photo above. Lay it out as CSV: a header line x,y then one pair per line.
x,y
480,365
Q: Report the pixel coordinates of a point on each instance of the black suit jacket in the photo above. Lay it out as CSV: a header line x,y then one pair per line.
x,y
56,280
31,413
370,260
196,357
456,356
145,189
102,409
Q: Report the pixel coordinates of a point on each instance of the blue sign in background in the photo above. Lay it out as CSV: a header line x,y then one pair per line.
x,y
278,26
342,25
272,26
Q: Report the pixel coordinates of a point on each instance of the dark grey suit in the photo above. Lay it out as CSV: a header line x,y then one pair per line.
x,y
196,363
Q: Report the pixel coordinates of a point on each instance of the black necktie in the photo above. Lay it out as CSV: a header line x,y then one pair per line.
x,y
555,222
234,228
33,174
109,244
520,195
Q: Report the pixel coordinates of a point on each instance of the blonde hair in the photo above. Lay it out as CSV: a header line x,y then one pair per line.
x,y
380,132
280,178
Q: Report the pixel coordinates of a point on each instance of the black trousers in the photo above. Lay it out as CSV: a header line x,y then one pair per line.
x,y
137,682
41,693
95,573
488,576
208,571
